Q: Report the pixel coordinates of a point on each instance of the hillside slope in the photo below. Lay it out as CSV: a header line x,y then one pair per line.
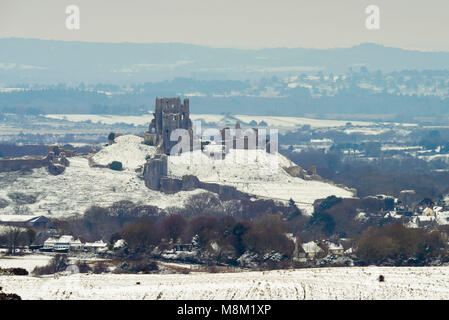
x,y
82,186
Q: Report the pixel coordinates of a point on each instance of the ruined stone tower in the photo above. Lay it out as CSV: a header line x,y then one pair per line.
x,y
170,114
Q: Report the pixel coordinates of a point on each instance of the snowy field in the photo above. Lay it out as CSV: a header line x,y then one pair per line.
x,y
351,283
216,118
28,262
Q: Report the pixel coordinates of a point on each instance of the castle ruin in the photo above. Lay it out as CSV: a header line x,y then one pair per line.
x,y
170,114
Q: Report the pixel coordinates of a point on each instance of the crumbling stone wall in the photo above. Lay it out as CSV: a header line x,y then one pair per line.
x,y
25,163
55,161
154,170
190,182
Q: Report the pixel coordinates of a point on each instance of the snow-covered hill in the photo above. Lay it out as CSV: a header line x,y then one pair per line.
x,y
304,284
127,149
255,172
82,186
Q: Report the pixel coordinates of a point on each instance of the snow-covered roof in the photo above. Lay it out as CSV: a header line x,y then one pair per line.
x,y
96,244
11,218
76,242
65,239
119,243
334,246
311,247
361,216
442,217
437,209
428,211
392,214
51,240
426,218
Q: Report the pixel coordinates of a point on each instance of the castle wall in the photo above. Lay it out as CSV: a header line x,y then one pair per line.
x,y
154,170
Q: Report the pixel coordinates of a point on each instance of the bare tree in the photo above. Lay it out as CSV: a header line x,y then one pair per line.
x,y
174,226
14,236
202,204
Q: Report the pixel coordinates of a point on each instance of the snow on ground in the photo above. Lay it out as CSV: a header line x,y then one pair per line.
x,y
441,157
272,121
28,262
256,172
127,149
304,284
105,119
82,186
298,121
366,131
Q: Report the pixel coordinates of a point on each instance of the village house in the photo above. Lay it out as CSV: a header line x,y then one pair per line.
x,y
97,246
63,244
335,249
311,249
428,212
67,243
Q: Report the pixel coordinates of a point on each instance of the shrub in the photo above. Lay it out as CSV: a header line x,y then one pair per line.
x,y
83,267
13,271
111,136
143,265
142,236
322,223
174,226
268,235
58,263
116,165
9,296
398,245
100,268
212,269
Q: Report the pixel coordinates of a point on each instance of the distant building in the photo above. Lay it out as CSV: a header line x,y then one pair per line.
x,y
335,249
24,220
428,212
97,246
311,249
62,244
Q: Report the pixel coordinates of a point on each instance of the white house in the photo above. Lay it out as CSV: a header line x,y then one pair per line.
x,y
97,246
49,244
62,244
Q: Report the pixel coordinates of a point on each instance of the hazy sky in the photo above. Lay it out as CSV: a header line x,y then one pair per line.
x,y
414,24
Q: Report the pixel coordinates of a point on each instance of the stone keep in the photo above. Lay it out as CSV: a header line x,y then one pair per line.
x,y
170,114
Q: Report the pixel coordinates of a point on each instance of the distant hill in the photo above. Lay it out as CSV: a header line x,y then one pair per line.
x,y
48,61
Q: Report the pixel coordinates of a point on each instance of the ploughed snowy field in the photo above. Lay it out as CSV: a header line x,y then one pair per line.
x,y
81,186
352,283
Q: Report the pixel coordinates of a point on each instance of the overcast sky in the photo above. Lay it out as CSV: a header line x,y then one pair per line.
x,y
412,24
